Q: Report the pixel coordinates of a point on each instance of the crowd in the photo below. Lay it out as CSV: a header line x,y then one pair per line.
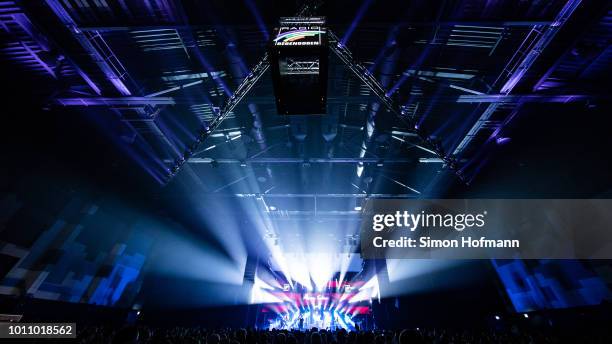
x,y
197,335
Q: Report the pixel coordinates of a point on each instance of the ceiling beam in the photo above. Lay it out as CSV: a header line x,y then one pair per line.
x,y
466,98
115,101
525,56
311,195
507,23
288,160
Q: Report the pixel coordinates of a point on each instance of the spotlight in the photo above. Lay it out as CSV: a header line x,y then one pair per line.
x,y
272,208
526,316
358,204
497,317
502,140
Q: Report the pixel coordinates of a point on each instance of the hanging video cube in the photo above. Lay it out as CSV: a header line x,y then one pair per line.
x,y
299,57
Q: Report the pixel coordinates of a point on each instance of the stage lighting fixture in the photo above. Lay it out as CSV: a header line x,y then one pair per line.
x,y
298,58
497,317
502,140
272,208
526,316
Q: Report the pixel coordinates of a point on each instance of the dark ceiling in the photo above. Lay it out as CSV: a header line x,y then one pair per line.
x,y
476,76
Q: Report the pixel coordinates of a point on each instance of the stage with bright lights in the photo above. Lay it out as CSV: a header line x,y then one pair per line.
x,y
321,299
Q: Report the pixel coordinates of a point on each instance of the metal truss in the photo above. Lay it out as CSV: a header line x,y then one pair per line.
x,y
532,47
286,160
510,24
308,8
364,75
372,83
339,195
361,72
245,86
116,101
116,73
152,100
302,67
315,204
23,36
96,47
104,57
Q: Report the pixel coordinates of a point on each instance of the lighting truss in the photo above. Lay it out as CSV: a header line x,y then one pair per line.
x,y
245,86
360,71
289,160
308,8
532,47
302,67
370,81
408,111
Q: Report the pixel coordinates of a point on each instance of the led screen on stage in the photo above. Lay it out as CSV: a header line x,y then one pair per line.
x,y
339,304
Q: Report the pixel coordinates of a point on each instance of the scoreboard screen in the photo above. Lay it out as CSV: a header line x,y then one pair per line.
x,y
298,59
299,36
299,31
